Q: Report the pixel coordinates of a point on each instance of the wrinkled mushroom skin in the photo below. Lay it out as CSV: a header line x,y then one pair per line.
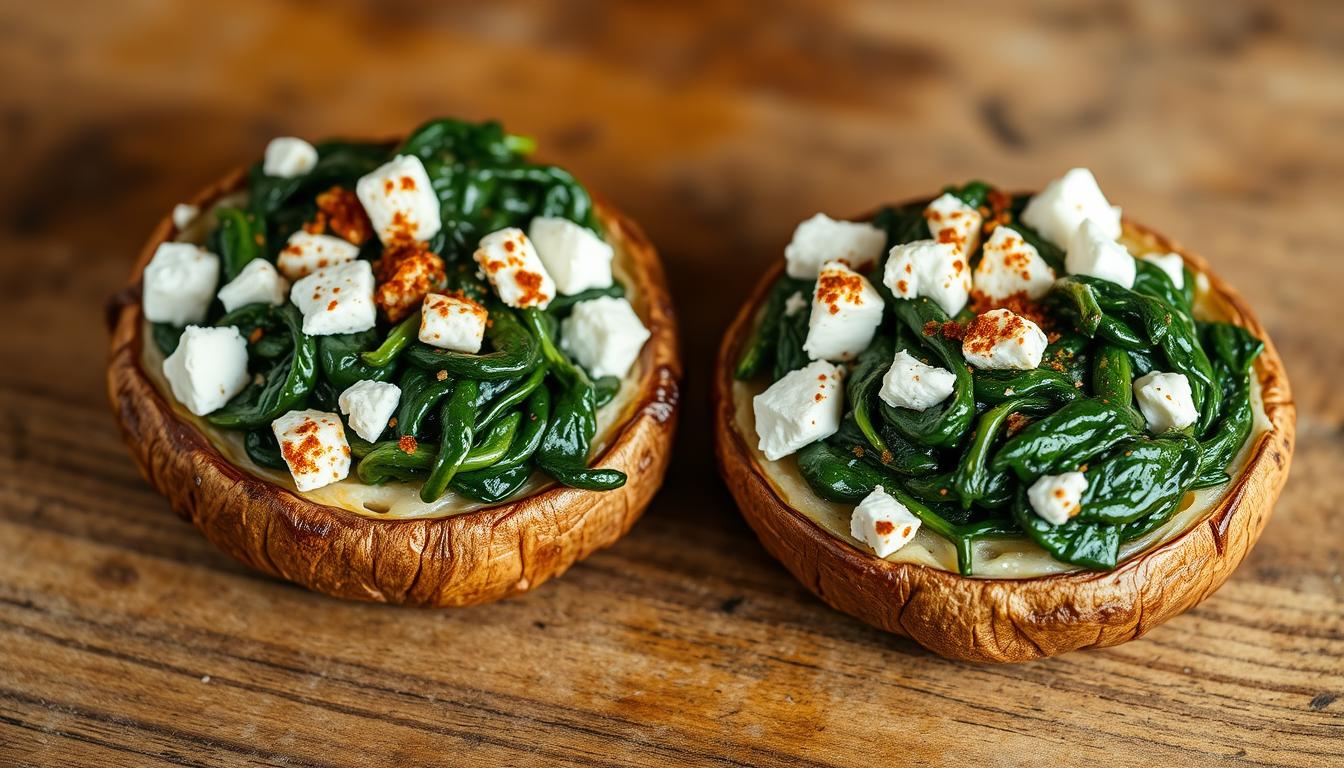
x,y
1012,620
469,558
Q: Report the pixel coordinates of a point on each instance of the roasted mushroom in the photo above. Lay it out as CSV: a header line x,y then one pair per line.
x,y
990,491
520,462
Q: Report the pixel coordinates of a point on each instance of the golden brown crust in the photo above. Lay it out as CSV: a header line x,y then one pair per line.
x,y
1018,620
469,558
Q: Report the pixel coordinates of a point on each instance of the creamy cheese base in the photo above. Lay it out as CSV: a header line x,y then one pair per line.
x,y
393,499
1007,558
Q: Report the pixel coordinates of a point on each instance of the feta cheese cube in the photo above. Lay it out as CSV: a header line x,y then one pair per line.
x,y
604,335
1165,401
846,310
314,447
368,406
184,214
305,253
999,339
802,407
883,523
208,367
1171,263
452,322
256,283
288,157
511,264
1057,211
179,283
1057,498
821,239
952,221
337,299
929,268
1093,252
400,200
794,303
573,256
912,384
1009,265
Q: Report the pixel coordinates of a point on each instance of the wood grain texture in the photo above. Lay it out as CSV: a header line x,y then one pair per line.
x,y
1014,620
717,126
460,560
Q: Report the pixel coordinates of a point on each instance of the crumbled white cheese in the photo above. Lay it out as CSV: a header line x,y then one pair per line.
x,y
1093,252
1165,400
846,310
400,201
929,268
314,447
912,384
794,303
1171,263
821,239
604,335
208,368
368,406
575,258
1009,265
952,221
1001,339
179,284
288,157
1201,284
515,270
337,299
1057,498
802,407
453,322
1058,210
883,523
184,214
257,283
305,253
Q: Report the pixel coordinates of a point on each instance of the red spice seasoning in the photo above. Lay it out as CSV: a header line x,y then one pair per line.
x,y
835,287
950,329
996,213
406,273
1020,305
338,210
986,331
302,455
531,283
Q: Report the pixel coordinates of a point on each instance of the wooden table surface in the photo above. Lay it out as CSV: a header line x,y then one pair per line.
x,y
126,639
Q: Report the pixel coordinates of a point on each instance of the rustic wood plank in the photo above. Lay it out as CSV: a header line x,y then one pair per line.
x,y
718,126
